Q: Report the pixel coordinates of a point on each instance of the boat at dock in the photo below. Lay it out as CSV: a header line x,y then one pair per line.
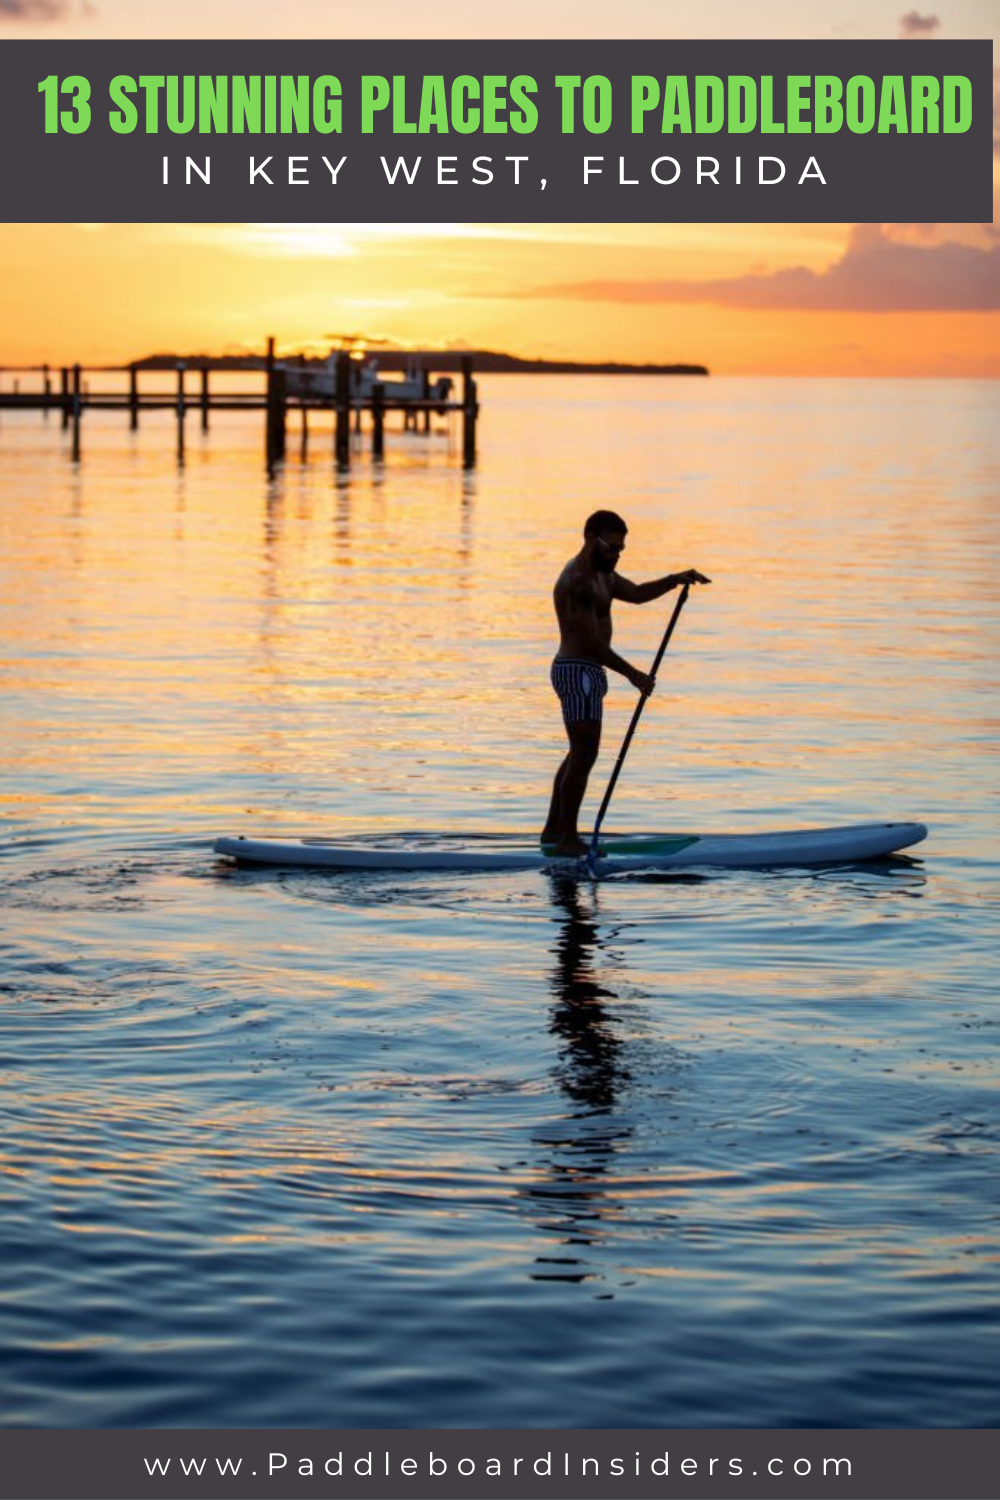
x,y
411,382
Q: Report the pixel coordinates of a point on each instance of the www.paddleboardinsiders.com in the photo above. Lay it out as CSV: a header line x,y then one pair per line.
x,y
371,1464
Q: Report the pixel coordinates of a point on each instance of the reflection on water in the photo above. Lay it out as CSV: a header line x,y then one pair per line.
x,y
287,1149
574,1190
592,1068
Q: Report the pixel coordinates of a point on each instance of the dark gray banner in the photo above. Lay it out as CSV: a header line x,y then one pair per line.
x,y
827,1463
555,131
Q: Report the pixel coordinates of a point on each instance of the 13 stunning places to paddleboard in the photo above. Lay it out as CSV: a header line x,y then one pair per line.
x,y
431,851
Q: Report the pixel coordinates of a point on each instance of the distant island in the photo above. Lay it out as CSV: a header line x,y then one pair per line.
x,y
445,361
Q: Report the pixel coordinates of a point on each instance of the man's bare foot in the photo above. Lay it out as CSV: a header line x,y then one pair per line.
x,y
569,848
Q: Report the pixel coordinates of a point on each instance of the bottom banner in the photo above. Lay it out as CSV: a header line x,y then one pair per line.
x,y
388,1464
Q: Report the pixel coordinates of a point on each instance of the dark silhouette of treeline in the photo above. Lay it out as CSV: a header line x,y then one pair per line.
x,y
485,361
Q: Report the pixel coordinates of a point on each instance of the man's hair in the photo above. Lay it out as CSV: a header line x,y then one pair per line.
x,y
604,520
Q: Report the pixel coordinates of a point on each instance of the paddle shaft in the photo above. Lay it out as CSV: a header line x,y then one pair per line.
x,y
637,715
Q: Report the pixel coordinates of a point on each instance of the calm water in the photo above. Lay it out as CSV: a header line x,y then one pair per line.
x,y
306,1149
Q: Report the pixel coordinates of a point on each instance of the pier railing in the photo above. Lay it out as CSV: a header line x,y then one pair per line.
x,y
65,392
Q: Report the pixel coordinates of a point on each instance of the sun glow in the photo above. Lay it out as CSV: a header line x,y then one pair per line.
x,y
654,293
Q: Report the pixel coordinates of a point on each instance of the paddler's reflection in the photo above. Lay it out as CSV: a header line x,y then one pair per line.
x,y
572,1186
591,1067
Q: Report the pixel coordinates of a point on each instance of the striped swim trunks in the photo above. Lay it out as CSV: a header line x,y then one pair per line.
x,y
580,687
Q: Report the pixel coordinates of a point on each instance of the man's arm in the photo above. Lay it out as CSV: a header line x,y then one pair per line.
x,y
644,593
591,641
609,658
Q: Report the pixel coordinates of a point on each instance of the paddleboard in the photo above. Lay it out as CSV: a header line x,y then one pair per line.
x,y
738,851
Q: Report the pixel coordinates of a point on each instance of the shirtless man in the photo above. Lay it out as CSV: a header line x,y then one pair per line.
x,y
583,595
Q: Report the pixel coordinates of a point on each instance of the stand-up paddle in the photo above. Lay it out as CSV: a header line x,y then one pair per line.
x,y
592,851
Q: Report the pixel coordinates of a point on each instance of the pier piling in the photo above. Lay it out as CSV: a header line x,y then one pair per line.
x,y
275,420
304,436
378,420
280,412
76,414
270,456
343,400
470,411
181,410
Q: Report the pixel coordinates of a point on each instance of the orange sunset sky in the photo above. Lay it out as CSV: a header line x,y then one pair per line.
x,y
829,299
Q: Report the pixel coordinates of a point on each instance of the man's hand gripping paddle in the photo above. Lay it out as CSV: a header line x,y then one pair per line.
x,y
637,715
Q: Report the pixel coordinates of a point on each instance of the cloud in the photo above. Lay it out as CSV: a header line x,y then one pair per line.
x,y
33,10
875,274
978,236
913,24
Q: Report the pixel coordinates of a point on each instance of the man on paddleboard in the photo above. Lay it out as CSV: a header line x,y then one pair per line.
x,y
583,595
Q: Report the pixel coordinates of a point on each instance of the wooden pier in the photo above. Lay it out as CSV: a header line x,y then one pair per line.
x,y
193,396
